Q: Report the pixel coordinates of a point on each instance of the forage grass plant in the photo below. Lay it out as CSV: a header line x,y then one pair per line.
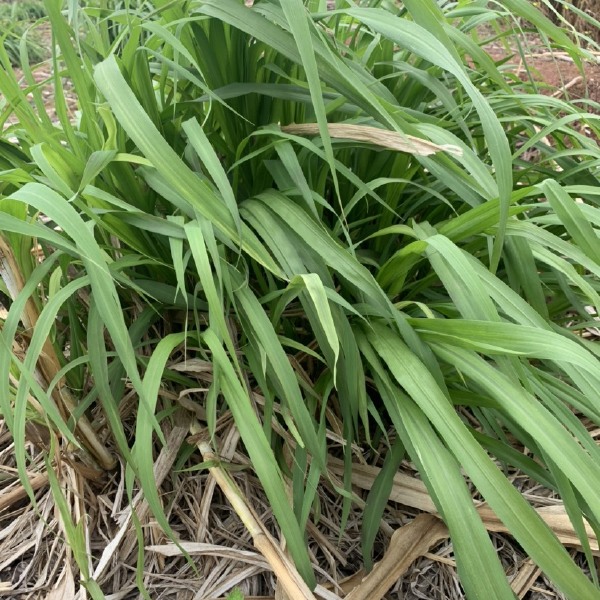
x,y
323,219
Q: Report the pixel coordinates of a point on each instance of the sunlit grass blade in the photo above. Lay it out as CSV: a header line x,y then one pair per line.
x,y
508,504
440,470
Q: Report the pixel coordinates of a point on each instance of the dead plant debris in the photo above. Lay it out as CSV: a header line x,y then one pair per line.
x,y
416,563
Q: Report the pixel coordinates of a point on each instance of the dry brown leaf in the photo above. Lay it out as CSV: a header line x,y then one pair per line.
x,y
193,365
347,584
9,496
191,405
407,544
440,559
162,468
199,548
392,140
322,592
555,517
250,598
405,490
412,492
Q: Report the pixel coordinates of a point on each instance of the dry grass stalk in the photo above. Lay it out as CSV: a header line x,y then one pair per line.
x,y
526,577
567,86
10,496
38,559
407,544
412,492
287,575
201,549
391,140
32,554
48,363
162,468
227,450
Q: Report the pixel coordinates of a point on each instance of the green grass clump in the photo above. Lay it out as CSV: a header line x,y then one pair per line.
x,y
16,19
22,10
16,37
429,304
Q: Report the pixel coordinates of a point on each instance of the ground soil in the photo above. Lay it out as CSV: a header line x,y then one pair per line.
x,y
557,74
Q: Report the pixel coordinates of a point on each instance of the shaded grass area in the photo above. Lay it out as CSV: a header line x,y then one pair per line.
x,y
313,241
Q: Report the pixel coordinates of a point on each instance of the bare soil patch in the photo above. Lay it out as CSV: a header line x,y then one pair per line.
x,y
556,74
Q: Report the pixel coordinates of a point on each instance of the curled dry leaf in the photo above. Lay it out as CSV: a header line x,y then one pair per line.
x,y
407,544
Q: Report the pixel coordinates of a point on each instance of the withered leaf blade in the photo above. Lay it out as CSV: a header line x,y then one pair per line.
x,y
407,544
392,140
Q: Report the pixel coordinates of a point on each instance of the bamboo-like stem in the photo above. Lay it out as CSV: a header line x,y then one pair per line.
x,y
292,584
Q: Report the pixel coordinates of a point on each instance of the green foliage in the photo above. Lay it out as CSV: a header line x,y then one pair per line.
x,y
17,37
333,280
22,10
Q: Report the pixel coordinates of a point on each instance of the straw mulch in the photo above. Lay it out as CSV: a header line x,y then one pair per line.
x,y
415,554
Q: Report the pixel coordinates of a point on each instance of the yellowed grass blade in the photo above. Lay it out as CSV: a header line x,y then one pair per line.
x,y
384,138
412,492
407,544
